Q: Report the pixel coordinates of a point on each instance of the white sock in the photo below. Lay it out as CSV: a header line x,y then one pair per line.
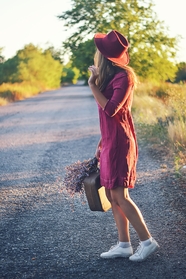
x,y
147,242
124,244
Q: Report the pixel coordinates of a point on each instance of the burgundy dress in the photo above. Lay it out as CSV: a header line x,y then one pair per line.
x,y
119,151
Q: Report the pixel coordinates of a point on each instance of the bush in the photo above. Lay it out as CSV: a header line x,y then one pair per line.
x,y
10,92
32,65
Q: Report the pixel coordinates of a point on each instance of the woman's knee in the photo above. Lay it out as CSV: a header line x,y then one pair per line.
x,y
119,195
109,196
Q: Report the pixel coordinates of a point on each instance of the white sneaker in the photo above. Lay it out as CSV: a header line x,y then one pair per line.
x,y
116,252
143,251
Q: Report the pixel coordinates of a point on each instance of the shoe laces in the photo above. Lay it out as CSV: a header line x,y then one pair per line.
x,y
114,246
139,248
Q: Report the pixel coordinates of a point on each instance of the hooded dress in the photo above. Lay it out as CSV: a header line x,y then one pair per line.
x,y
119,150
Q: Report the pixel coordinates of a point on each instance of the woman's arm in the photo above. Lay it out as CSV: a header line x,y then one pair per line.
x,y
99,97
122,90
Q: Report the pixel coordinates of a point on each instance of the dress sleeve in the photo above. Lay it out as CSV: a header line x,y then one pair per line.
x,y
121,90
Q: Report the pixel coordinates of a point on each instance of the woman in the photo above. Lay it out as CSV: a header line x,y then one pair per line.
x,y
112,83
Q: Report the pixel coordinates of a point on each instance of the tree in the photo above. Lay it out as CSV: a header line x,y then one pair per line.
x,y
2,59
152,51
181,73
67,75
33,65
82,57
55,53
70,74
9,70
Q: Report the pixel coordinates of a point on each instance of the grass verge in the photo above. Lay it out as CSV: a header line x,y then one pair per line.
x,y
10,92
160,115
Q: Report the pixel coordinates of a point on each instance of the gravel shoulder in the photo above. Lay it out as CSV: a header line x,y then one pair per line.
x,y
44,234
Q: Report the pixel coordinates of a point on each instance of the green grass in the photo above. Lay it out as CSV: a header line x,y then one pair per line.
x,y
160,114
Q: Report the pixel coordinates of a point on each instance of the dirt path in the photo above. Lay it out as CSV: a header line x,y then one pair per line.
x,y
43,235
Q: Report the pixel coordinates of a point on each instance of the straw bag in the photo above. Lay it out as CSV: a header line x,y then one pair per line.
x,y
95,193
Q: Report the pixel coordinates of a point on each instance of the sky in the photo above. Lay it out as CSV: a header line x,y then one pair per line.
x,y
35,21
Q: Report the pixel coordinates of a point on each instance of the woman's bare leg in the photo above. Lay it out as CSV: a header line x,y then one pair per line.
x,y
121,198
122,222
121,249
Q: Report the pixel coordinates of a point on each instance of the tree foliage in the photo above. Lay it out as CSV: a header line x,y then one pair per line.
x,y
33,65
2,59
152,50
181,73
9,70
70,74
82,57
55,53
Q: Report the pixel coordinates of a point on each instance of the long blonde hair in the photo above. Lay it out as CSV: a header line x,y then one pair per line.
x,y
108,69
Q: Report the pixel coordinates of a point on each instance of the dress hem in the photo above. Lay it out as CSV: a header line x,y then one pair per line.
x,y
116,184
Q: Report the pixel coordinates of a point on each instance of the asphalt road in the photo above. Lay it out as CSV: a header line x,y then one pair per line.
x,y
46,234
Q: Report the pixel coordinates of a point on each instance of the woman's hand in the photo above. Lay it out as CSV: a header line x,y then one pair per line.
x,y
94,74
98,95
98,149
97,154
